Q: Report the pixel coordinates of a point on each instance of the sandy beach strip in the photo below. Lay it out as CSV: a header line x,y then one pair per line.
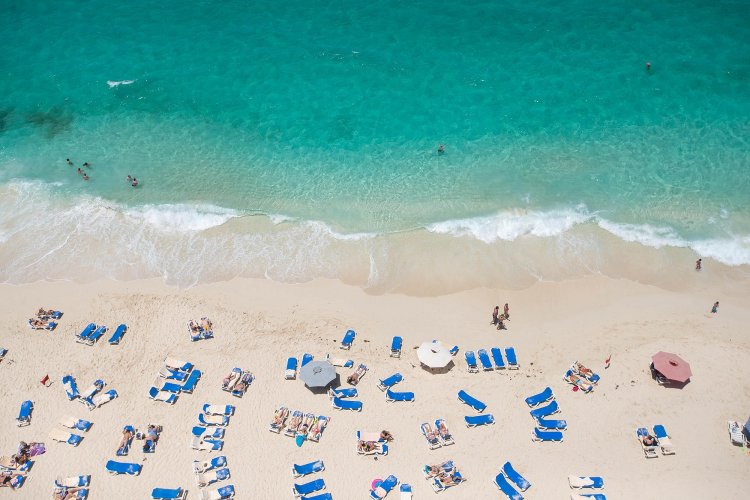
x,y
258,324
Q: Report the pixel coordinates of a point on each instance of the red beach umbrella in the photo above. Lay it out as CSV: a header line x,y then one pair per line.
x,y
672,366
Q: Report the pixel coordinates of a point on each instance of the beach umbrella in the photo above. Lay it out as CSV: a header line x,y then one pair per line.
x,y
317,373
434,355
672,366
747,427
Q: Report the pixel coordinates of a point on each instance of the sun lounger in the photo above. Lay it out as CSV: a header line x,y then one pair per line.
x,y
356,376
294,423
649,451
590,496
445,437
396,344
540,398
453,350
550,425
381,448
405,492
466,399
514,476
95,335
191,381
433,441
308,468
291,369
320,423
438,486
62,491
86,332
97,386
346,363
471,362
211,420
65,437
218,409
476,420
241,388
497,358
42,325
24,414
166,386
510,355
231,380
203,444
163,396
169,493
276,427
506,487
208,433
540,435
125,448
118,335
578,482
218,494
3,352
391,396
484,359
580,382
101,399
73,481
178,364
206,465
389,382
75,423
307,488
346,342
319,496
170,374
71,388
545,411
586,373
204,479
341,392
306,358
385,487
665,443
736,435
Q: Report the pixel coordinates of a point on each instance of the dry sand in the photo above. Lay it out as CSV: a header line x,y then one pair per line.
x,y
258,324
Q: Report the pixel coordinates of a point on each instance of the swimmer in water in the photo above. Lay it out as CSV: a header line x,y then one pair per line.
x,y
648,66
129,178
86,164
85,177
79,170
441,149
134,183
67,160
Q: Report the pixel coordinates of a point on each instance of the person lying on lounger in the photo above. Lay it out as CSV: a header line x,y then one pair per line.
x,y
649,440
41,313
576,380
449,479
206,324
295,422
38,323
194,327
353,379
366,446
443,430
435,470
583,370
241,386
279,416
65,493
386,436
126,437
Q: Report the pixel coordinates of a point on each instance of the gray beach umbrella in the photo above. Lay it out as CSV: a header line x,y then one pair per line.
x,y
317,373
434,355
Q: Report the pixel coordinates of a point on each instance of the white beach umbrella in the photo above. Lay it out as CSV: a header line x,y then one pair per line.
x,y
434,355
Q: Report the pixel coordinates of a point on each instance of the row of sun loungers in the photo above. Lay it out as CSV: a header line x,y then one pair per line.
x,y
91,334
443,476
581,377
546,429
200,330
237,382
308,490
174,378
315,426
661,440
509,481
208,472
438,437
487,363
77,485
91,397
475,420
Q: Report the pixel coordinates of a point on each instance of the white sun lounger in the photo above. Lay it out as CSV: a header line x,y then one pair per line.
x,y
75,423
736,435
65,437
578,482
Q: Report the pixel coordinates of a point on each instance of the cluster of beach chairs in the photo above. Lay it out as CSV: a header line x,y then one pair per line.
x,y
208,435
439,436
70,424
650,442
298,424
508,479
290,372
174,377
443,476
581,377
64,487
373,443
45,319
209,472
237,382
546,429
200,330
487,363
475,420
306,491
92,397
391,396
586,482
93,332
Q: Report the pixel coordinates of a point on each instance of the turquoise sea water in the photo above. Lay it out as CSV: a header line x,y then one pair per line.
x,y
321,120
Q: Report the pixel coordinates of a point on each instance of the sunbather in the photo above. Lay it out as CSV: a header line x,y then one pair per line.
x,y
206,324
41,313
10,479
241,386
435,470
366,446
279,416
194,327
127,436
583,371
65,493
649,440
443,430
38,323
386,436
449,479
430,433
353,379
580,382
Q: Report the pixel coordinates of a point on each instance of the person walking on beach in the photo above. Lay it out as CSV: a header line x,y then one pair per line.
x,y
495,314
698,264
505,311
715,308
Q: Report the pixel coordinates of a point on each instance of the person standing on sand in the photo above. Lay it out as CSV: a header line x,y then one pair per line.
x,y
698,264
505,311
495,314
715,308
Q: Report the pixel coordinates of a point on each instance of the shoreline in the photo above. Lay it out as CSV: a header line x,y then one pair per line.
x,y
259,323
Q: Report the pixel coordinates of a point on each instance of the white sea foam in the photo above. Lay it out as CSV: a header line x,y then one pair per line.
x,y
112,83
325,229
181,217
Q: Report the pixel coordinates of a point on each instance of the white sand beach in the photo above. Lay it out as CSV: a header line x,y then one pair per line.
x,y
258,324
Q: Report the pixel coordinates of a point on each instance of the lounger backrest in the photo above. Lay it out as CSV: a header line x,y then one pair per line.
x,y
396,344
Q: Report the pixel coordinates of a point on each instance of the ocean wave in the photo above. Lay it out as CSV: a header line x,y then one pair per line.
x,y
113,83
181,217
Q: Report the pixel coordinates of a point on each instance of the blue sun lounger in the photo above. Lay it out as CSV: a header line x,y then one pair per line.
x,y
119,333
346,342
76,423
578,482
386,485
506,487
592,496
96,335
540,435
24,414
206,433
484,359
540,398
321,496
65,437
391,396
123,451
396,344
191,381
73,481
551,425
453,351
545,411
405,490
471,362
343,392
210,421
308,468
514,476
168,493
218,409
164,397
307,488
86,332
497,357
171,387
306,358
114,467
510,355
71,388
475,420
219,493
346,404
437,486
466,399
389,382
207,465
56,314
291,369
